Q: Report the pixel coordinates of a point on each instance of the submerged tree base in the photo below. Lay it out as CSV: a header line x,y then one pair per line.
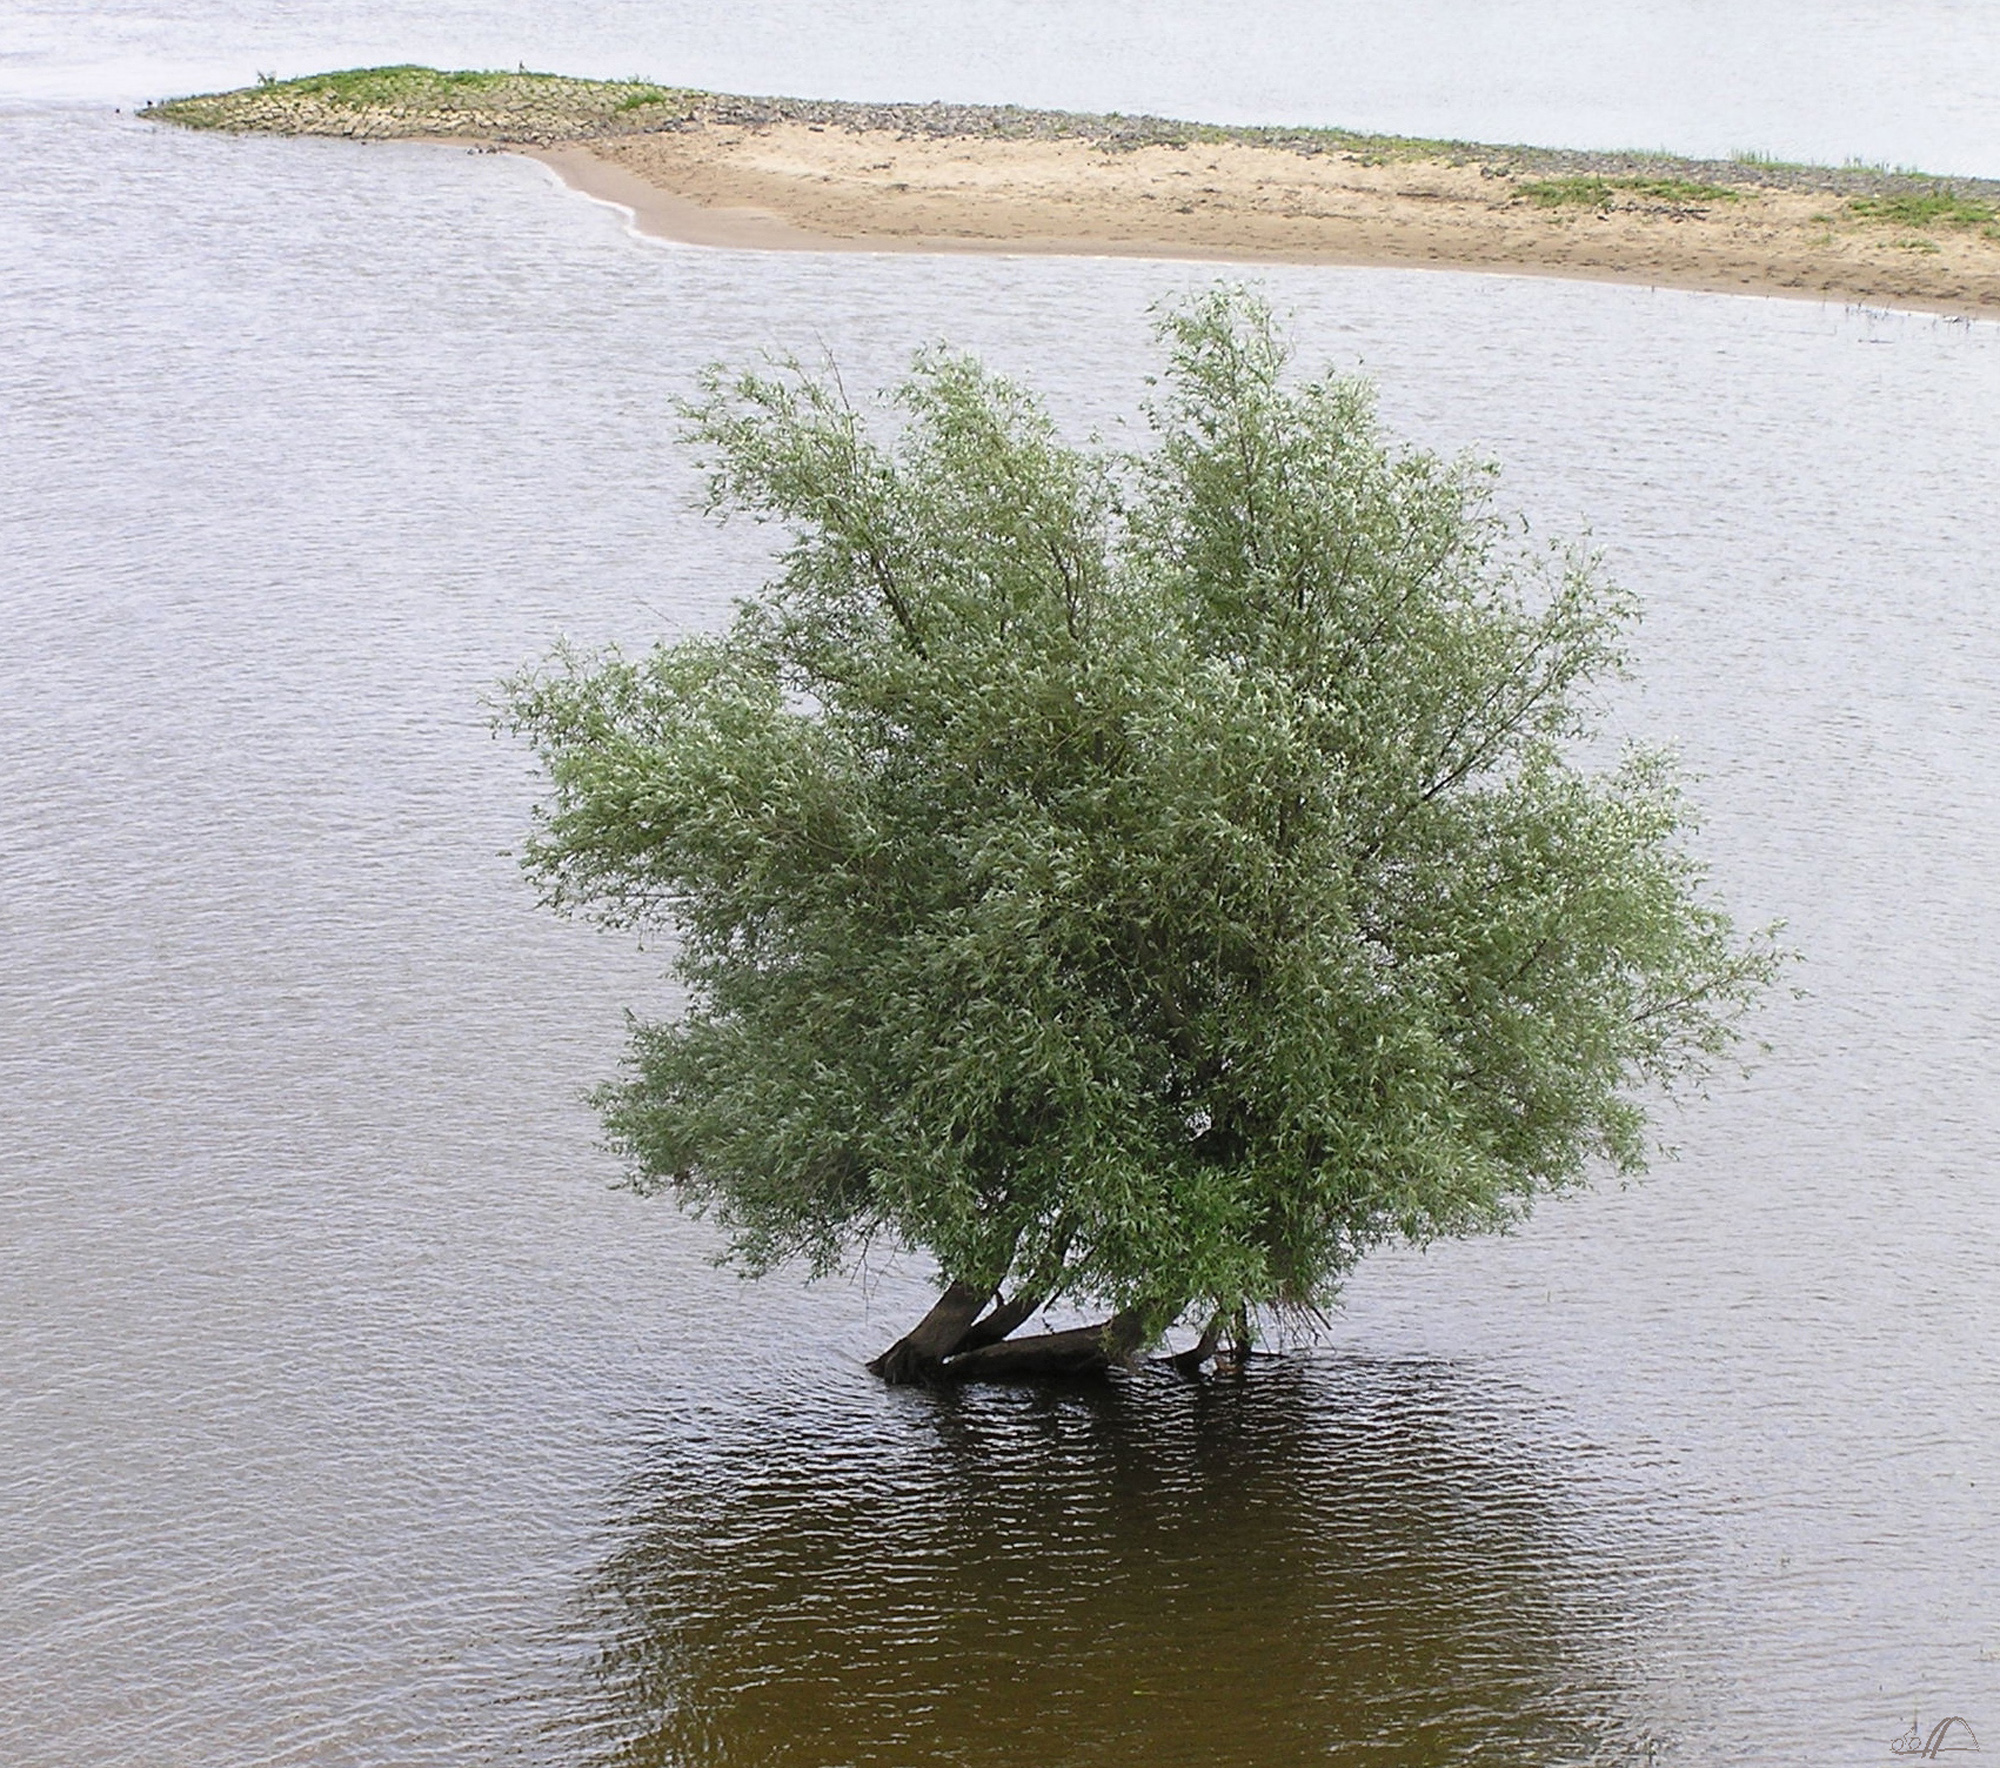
x,y
961,1340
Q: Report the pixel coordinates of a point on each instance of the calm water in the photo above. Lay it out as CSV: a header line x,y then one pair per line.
x,y
1911,82
348,1416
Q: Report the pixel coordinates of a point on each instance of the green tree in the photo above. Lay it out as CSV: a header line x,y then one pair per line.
x,y
1146,882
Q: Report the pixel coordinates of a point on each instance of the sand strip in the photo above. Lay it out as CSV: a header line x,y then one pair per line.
x,y
789,186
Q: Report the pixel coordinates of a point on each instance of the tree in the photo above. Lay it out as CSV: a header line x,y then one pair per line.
x,y
1146,882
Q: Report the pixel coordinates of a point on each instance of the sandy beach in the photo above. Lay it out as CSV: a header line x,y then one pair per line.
x,y
792,174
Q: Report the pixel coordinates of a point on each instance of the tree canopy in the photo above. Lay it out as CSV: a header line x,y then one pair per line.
x,y
1142,880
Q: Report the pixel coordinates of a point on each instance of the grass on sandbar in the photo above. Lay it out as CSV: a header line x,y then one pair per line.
x,y
409,100
1588,192
1939,207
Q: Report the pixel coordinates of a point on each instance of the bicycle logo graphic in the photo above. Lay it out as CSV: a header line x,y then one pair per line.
x,y
1948,1737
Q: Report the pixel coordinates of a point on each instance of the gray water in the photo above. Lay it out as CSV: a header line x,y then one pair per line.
x,y
1909,82
350,1414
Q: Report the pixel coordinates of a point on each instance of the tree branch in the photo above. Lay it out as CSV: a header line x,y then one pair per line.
x,y
1083,1350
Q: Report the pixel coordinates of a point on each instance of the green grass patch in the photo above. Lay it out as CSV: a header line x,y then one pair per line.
x,y
1599,193
1939,207
1756,156
409,100
645,94
388,88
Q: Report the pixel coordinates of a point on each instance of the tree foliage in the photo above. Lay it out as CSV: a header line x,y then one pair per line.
x,y
1150,880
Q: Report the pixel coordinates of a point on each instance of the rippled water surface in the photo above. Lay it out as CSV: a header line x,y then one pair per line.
x,y
347,1413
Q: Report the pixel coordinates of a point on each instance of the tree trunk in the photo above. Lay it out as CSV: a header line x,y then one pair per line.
x,y
920,1353
1239,1337
1189,1362
1083,1350
999,1324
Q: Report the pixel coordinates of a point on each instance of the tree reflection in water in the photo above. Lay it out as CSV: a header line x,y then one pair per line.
x,y
1380,1561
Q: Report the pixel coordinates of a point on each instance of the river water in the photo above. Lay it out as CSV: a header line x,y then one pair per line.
x,y
348,1414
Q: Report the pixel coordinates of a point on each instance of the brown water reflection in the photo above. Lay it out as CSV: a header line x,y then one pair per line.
x,y
1324,1556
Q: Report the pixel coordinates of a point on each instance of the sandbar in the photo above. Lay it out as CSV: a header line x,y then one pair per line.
x,y
788,174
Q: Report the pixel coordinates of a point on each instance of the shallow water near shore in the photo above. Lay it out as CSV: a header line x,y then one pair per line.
x,y
351,1416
